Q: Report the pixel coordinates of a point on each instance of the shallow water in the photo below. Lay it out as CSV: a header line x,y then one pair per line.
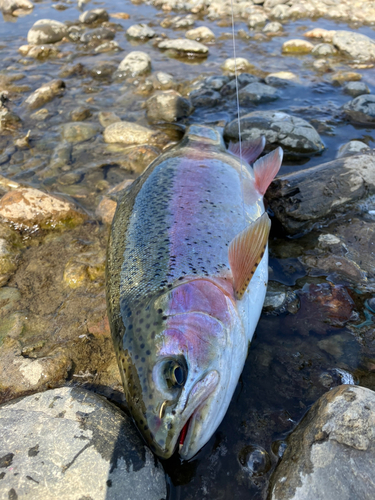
x,y
296,355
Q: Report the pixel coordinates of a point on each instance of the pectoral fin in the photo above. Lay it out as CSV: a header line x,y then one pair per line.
x,y
266,168
246,251
248,150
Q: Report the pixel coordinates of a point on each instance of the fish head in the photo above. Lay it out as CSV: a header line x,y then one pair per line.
x,y
186,369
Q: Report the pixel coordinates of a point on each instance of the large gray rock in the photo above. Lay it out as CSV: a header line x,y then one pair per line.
x,y
70,443
46,31
167,106
257,93
361,109
295,135
331,454
358,47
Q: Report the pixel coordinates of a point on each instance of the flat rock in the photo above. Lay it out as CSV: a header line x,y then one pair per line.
x,y
94,16
127,133
356,89
361,109
167,106
136,63
45,93
71,443
140,31
27,207
331,453
352,148
257,93
355,45
76,132
184,46
296,136
46,31
302,199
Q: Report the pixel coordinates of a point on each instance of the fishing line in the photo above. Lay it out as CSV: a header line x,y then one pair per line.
x,y
238,109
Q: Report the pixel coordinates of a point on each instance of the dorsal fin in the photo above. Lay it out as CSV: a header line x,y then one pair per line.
x,y
249,150
246,251
266,168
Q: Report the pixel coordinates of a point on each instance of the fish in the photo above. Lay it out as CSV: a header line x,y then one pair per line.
x,y
187,271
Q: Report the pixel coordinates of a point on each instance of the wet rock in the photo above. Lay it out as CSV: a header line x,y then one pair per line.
x,y
8,259
356,89
255,460
97,35
361,109
201,34
168,106
28,207
106,210
94,16
9,121
61,155
257,19
136,63
139,158
110,46
335,439
70,442
46,31
205,97
41,51
216,82
302,199
45,93
128,133
107,118
163,81
281,78
297,46
178,22
274,27
75,274
78,132
280,12
103,70
324,50
321,34
75,32
79,114
352,148
183,46
295,135
355,45
240,64
242,80
257,93
140,31
340,77
10,6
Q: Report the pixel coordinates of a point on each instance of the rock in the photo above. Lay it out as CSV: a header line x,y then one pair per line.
x,y
361,109
323,50
106,210
94,16
274,27
302,199
201,34
297,46
72,443
140,31
240,64
8,261
136,63
334,440
46,31
78,132
352,148
45,93
217,82
281,78
280,12
257,93
107,118
61,155
42,51
97,35
205,97
295,135
178,22
81,113
110,46
321,33
8,120
341,77
11,6
243,79
163,81
128,133
257,19
139,158
28,207
359,47
168,106
103,70
355,89
186,47
120,15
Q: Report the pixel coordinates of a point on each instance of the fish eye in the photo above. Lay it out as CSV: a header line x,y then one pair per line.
x,y
175,373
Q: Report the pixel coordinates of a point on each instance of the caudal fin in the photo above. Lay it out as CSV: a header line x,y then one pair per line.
x,y
266,168
246,251
249,150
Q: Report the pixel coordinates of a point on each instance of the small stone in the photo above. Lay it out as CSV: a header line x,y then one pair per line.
x,y
205,97
110,46
168,106
273,27
280,12
80,114
106,210
140,31
257,19
352,148
46,31
178,22
184,46
257,93
75,274
94,16
103,70
216,82
321,33
201,34
240,64
281,78
78,131
139,158
297,46
127,133
345,76
356,89
11,7
328,240
243,79
163,81
121,15
361,109
69,178
323,50
24,49
97,35
255,460
27,207
136,63
42,52
45,94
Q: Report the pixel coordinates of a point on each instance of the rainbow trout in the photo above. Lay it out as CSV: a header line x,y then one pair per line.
x,y
186,280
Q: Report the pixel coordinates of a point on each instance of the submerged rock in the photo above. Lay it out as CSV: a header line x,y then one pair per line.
x,y
136,63
168,106
70,442
76,132
295,135
46,31
127,133
355,45
45,93
361,109
257,93
331,454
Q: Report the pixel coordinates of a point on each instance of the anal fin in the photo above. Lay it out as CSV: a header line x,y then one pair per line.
x,y
249,150
266,168
246,251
